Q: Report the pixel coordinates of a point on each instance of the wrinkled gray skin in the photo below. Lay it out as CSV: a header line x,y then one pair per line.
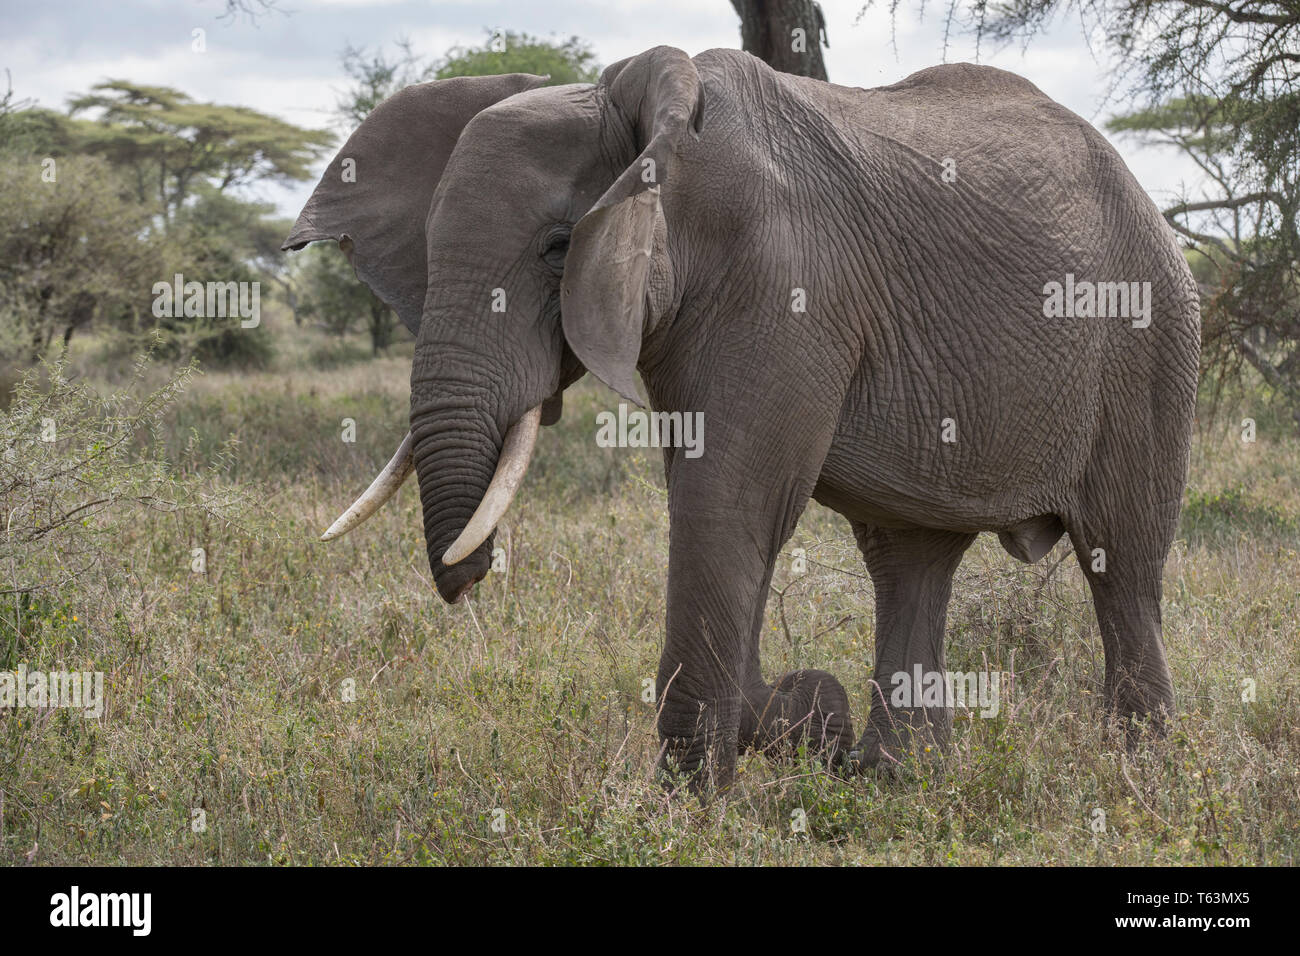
x,y
924,303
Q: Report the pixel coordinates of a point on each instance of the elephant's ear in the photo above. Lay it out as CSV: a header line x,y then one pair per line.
x,y
606,271
375,194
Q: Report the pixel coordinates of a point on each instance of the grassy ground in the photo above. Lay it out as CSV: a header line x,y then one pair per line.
x,y
512,729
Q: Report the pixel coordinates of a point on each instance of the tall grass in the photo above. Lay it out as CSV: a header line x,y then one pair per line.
x,y
512,729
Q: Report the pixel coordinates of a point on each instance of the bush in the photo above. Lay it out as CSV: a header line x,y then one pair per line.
x,y
75,466
70,250
1230,512
334,354
234,347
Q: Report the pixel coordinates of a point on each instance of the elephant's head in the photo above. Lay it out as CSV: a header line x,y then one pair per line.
x,y
518,231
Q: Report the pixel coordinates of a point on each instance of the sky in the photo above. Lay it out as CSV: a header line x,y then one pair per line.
x,y
287,63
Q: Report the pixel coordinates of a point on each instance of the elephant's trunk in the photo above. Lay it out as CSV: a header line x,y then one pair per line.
x,y
455,453
467,480
512,465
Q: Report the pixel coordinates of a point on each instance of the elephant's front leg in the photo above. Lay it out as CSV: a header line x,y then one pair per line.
x,y
724,543
715,575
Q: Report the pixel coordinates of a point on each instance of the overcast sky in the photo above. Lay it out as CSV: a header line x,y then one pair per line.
x,y
287,63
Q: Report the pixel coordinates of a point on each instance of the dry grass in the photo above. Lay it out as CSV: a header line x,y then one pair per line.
x,y
224,690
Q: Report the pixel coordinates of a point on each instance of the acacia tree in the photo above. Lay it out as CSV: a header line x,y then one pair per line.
x,y
171,143
163,198
377,75
333,298
1243,230
565,61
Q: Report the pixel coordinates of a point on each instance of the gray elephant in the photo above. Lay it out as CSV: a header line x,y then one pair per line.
x,y
939,307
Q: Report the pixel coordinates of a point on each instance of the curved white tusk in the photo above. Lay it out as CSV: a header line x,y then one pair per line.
x,y
516,452
381,489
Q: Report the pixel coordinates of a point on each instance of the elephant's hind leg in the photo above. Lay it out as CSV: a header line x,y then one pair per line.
x,y
1124,567
1122,524
911,571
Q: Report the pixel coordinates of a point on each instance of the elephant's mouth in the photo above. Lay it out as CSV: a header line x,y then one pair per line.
x,y
454,575
455,581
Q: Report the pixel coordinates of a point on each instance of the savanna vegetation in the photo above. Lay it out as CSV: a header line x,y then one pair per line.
x,y
271,699
226,690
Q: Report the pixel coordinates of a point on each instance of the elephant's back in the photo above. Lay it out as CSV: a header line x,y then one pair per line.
x,y
991,169
965,146
994,137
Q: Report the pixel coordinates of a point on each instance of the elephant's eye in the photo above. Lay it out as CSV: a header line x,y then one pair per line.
x,y
555,246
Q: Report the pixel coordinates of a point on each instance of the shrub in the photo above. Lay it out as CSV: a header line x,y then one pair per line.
x,y
74,467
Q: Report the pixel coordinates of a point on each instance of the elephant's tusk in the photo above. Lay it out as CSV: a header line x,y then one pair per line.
x,y
381,489
516,452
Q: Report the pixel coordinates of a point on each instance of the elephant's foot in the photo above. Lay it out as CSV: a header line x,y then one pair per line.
x,y
898,737
698,741
807,707
702,764
1135,727
1141,706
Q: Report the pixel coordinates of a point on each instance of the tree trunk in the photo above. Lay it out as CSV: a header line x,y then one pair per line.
x,y
786,34
82,311
381,327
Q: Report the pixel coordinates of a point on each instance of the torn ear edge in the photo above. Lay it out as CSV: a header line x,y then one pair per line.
x,y
304,233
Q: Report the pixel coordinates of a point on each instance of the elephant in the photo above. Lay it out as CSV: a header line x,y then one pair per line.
x,y
940,307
